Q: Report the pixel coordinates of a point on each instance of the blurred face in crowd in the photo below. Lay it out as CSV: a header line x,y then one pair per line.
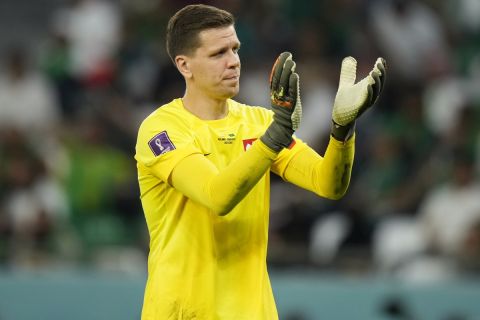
x,y
214,66
16,65
463,174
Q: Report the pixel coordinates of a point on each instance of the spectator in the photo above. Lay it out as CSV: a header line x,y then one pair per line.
x,y
412,37
27,100
450,209
33,203
92,29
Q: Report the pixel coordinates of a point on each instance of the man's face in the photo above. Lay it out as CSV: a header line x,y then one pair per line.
x,y
215,65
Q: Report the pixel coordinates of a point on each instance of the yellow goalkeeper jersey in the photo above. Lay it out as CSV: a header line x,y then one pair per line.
x,y
202,265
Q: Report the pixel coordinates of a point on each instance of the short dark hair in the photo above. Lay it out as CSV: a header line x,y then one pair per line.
x,y
185,25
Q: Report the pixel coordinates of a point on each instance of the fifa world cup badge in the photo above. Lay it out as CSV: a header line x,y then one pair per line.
x,y
161,144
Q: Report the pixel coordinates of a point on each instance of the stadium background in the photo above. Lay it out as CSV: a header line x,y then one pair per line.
x,y
78,76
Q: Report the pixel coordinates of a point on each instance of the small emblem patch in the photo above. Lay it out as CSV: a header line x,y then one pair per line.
x,y
247,143
161,144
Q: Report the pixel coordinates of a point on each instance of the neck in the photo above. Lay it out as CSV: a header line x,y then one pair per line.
x,y
205,107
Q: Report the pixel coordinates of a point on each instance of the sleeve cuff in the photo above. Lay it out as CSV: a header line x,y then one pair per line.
x,y
343,133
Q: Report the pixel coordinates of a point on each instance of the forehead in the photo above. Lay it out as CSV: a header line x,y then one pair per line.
x,y
218,37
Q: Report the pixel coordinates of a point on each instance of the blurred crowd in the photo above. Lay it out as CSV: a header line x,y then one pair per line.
x,y
70,108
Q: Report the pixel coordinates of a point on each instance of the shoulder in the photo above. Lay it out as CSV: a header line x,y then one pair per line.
x,y
169,121
166,116
164,130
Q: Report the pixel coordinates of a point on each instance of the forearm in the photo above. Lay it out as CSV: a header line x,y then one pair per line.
x,y
327,176
221,191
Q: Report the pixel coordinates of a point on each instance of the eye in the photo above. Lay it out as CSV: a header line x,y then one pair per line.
x,y
219,53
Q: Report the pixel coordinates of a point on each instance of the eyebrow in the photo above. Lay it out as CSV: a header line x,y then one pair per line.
x,y
236,45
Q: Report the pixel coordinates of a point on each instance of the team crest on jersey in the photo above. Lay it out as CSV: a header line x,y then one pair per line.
x,y
247,143
161,144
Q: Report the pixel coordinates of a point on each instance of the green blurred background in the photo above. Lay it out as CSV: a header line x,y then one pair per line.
x,y
77,77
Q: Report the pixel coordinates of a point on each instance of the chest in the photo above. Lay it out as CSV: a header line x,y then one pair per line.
x,y
223,145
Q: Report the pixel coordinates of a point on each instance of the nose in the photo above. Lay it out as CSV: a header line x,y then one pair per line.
x,y
233,60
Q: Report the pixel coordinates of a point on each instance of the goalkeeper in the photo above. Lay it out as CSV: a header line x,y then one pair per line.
x,y
203,165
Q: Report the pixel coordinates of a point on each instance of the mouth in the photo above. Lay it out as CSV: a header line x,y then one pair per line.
x,y
232,78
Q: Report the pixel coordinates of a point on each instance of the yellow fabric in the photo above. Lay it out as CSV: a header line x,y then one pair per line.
x,y
199,179
327,176
203,265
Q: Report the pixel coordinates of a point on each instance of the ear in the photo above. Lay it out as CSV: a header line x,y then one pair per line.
x,y
183,65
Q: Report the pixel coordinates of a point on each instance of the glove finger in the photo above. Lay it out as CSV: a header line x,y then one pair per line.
x,y
381,66
377,85
293,87
348,72
277,70
368,102
283,85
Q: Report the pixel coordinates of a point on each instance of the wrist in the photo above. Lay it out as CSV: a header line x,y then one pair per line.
x,y
277,137
342,133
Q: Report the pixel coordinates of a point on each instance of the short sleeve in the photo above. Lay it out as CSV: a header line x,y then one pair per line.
x,y
162,144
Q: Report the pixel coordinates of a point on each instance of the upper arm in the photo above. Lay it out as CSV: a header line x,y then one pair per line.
x,y
161,146
191,176
169,153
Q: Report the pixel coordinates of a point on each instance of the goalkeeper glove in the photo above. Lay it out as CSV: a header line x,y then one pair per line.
x,y
285,102
354,99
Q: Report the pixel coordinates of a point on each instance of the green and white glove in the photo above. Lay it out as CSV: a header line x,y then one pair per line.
x,y
285,102
352,98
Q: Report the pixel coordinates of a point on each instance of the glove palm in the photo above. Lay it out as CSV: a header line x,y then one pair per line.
x,y
352,98
285,102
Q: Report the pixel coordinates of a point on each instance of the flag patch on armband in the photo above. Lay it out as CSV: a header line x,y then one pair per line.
x,y
161,144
